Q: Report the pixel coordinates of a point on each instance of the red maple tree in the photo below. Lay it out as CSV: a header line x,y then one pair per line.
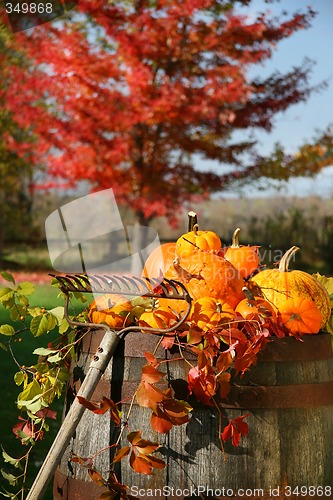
x,y
134,92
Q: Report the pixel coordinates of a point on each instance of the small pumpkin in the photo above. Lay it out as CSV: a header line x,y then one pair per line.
x,y
300,316
158,317
256,308
159,260
176,306
112,309
244,258
208,313
190,242
278,285
205,274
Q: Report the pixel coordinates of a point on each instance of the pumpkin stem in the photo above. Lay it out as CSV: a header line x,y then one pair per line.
x,y
284,262
195,229
235,240
248,294
192,220
219,308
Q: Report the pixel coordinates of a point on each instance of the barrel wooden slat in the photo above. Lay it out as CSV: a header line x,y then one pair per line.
x,y
286,445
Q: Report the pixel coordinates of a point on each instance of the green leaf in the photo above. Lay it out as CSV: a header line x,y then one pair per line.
x,y
329,326
43,351
11,460
63,326
19,377
39,325
34,405
6,294
7,330
26,288
16,311
42,367
52,321
25,438
327,283
3,346
35,311
10,478
141,302
8,277
7,494
79,296
32,391
58,312
55,359
23,299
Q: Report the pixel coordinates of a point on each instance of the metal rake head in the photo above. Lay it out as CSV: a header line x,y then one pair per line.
x,y
124,285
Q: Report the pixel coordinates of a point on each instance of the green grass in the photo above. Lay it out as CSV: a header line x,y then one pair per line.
x,y
45,296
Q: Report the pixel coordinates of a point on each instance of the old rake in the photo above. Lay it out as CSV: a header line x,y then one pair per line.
x,y
114,284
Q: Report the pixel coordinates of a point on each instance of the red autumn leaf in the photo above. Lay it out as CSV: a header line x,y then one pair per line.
x,y
160,422
233,336
151,374
117,488
142,396
224,361
84,461
168,341
102,407
194,335
96,477
140,465
121,453
150,358
144,447
204,359
28,429
224,384
46,413
176,408
202,386
156,463
247,353
149,396
235,430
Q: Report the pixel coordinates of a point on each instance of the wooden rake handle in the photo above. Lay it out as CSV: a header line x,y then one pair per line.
x,y
96,369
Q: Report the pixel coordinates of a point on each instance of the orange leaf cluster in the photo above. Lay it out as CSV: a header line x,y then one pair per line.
x,y
140,451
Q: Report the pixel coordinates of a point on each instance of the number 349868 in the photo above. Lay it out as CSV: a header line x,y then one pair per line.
x,y
29,8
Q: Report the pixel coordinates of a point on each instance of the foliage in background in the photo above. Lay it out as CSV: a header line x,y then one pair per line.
x,y
125,89
16,170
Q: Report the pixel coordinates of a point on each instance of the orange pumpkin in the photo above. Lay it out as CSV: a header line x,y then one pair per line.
x,y
244,258
158,317
208,313
177,306
256,308
300,316
192,241
110,309
205,274
278,285
159,260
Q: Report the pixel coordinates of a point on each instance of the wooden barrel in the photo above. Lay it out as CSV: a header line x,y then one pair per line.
x,y
289,398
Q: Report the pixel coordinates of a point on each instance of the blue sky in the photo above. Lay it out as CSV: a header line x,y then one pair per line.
x,y
300,123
